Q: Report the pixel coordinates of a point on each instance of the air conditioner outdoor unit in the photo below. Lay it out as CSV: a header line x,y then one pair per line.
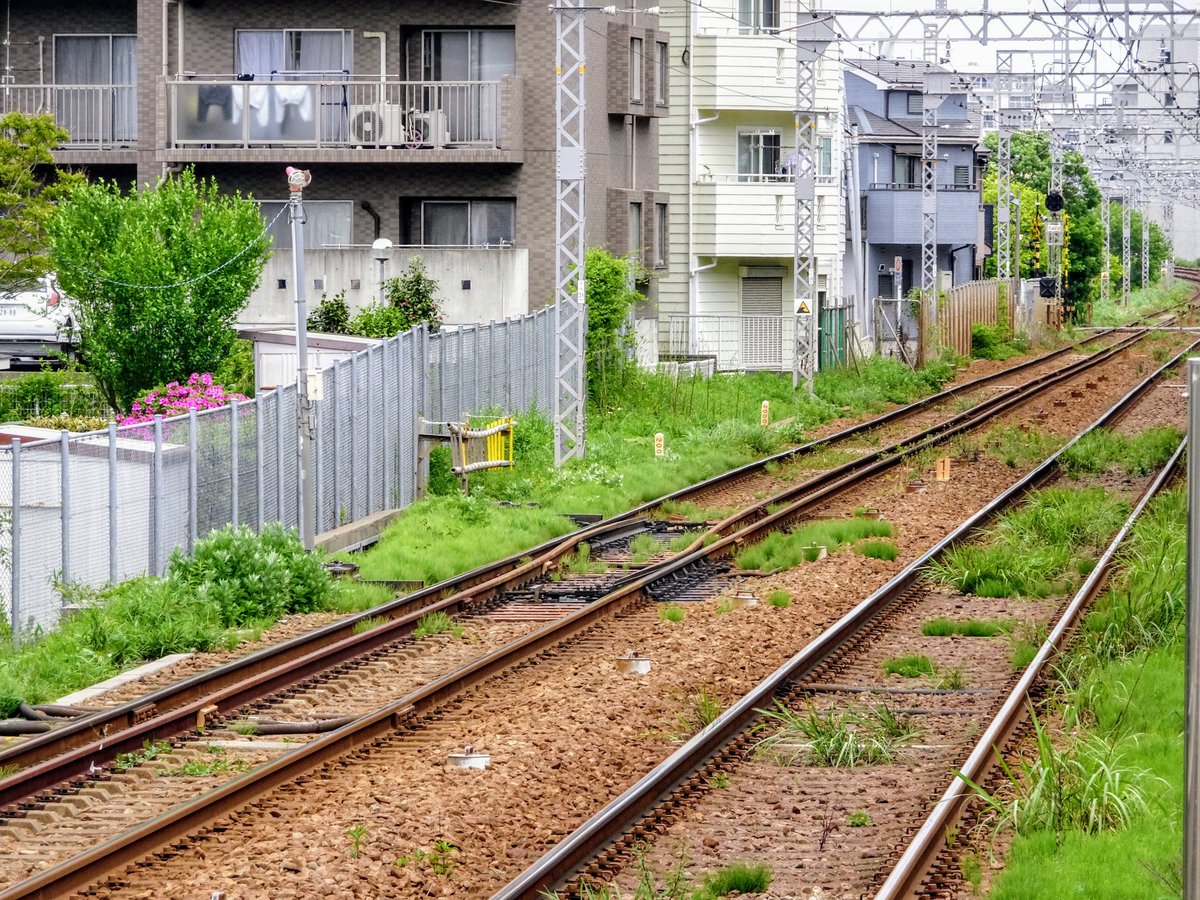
x,y
433,128
377,123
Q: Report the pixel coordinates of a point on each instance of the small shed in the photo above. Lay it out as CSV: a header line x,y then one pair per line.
x,y
275,353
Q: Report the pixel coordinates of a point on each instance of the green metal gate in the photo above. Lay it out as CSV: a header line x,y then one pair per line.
x,y
831,336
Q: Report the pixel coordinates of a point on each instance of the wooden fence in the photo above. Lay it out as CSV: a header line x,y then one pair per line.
x,y
968,304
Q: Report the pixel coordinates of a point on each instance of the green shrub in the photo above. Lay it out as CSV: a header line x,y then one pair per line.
x,y
249,577
780,599
332,315
995,342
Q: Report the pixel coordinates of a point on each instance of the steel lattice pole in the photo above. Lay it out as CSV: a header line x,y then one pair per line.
x,y
804,247
1126,261
1056,249
929,298
1145,206
1106,261
1004,250
569,314
1168,225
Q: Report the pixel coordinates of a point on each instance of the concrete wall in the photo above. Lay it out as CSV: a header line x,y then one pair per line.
x,y
474,285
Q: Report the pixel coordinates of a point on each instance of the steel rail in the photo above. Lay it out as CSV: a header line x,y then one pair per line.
x,y
929,842
49,759
615,819
186,818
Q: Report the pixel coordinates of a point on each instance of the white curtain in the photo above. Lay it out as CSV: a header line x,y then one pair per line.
x,y
493,54
320,51
328,223
260,52
445,224
492,221
86,62
124,77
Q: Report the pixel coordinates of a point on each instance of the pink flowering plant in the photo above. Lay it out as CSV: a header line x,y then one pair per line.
x,y
175,399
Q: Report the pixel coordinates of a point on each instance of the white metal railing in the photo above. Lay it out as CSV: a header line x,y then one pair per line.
x,y
755,178
223,111
103,116
736,342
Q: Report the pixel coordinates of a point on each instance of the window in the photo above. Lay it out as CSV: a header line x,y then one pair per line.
x,y
295,51
825,163
758,155
962,176
635,229
757,16
664,75
663,236
906,171
86,62
474,60
467,223
1168,136
1169,99
635,70
328,223
916,105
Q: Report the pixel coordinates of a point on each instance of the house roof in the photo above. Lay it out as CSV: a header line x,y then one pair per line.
x,y
899,74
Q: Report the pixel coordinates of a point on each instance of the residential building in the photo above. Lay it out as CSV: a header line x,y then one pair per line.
x,y
428,123
884,100
724,166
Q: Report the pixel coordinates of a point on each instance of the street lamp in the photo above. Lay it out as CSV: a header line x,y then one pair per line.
x,y
382,251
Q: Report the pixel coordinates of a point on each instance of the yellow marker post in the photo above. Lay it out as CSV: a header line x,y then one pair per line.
x,y
660,444
765,418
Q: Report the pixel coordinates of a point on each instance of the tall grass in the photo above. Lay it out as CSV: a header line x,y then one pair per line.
x,y
1035,550
783,550
832,738
1101,449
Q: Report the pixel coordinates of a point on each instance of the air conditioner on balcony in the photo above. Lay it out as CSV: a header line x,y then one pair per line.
x,y
377,123
433,128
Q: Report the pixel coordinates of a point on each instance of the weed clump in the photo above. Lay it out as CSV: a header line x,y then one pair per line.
x,y
911,666
829,738
1034,551
671,613
784,550
1101,449
885,550
779,599
995,342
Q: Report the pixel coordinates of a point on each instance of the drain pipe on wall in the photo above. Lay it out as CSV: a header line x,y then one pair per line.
x,y
380,36
366,207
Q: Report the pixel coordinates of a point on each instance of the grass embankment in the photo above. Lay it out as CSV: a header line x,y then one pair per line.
x,y
710,426
1143,301
1116,824
233,587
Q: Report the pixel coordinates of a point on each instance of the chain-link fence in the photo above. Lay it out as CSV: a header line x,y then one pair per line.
x,y
105,506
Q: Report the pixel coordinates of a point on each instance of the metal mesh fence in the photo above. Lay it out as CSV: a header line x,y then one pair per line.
x,y
112,504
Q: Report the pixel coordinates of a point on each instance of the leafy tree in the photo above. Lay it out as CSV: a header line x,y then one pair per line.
x,y
1159,247
29,188
158,277
1031,160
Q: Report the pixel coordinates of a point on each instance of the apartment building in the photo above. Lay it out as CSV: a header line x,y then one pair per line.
x,y
884,100
726,288
431,124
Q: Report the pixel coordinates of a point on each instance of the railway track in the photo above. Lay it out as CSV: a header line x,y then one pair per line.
x,y
67,750
833,675
633,590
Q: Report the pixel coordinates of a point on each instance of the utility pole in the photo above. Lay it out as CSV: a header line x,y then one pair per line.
x,y
1106,262
570,318
1126,261
934,89
298,180
812,37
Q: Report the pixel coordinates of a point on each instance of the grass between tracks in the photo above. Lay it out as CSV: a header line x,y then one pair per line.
x,y
709,425
1112,826
1141,302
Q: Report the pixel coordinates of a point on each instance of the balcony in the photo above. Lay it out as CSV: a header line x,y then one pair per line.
x,y
753,215
430,120
754,71
97,117
894,213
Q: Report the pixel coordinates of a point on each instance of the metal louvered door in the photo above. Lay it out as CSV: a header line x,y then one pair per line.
x,y
762,323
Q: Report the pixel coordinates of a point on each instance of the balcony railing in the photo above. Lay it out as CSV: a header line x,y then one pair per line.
x,y
101,116
221,111
755,178
916,186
